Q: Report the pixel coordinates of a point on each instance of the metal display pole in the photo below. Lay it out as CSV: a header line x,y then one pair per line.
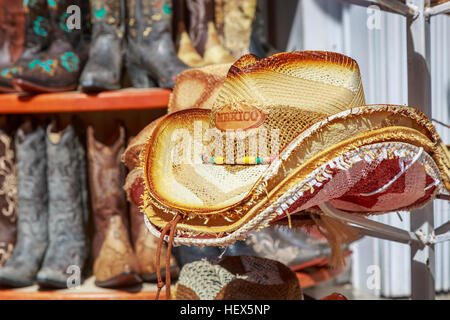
x,y
419,96
422,236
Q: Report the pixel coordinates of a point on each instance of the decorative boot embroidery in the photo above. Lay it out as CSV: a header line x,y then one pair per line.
x,y
70,61
48,66
6,250
39,26
8,73
8,189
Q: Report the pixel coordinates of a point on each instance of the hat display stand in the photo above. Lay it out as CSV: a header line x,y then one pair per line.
x,y
422,235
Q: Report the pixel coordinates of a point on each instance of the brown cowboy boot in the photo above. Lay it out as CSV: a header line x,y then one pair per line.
x,y
12,31
58,68
36,34
8,196
145,245
186,51
150,46
204,35
115,263
201,12
234,20
215,53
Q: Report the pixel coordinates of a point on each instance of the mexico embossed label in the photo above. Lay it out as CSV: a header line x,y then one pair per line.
x,y
244,118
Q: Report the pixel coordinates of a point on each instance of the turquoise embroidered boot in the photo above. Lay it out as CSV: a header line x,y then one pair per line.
x,y
58,68
37,39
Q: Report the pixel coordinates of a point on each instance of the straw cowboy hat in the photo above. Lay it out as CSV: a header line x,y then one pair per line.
x,y
331,148
205,180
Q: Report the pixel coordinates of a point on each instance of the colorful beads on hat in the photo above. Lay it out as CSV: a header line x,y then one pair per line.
x,y
244,160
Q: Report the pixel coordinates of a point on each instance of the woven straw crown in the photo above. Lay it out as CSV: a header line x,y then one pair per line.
x,y
291,91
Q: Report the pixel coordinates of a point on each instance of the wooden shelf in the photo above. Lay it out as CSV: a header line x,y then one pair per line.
x,y
88,291
126,99
74,295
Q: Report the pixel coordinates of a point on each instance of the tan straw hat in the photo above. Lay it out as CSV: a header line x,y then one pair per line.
x,y
285,134
329,147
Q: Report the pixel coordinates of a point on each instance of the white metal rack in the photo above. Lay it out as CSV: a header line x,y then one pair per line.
x,y
422,235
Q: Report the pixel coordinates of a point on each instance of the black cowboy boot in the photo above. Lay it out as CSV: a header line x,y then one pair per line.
x,y
259,43
32,236
104,67
37,36
150,46
58,68
67,206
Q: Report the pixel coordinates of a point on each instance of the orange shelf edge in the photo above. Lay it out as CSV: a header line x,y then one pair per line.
x,y
318,275
12,294
127,99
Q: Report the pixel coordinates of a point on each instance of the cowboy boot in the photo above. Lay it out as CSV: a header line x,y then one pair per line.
x,y
144,243
234,24
104,67
115,263
215,53
67,250
58,68
201,12
150,46
259,43
37,36
186,51
204,35
145,246
32,223
8,197
12,31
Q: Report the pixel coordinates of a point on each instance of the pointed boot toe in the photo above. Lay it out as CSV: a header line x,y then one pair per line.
x,y
125,279
51,278
152,277
14,278
97,81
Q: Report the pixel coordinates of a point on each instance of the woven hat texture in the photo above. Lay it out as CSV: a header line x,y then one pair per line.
x,y
237,278
197,88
